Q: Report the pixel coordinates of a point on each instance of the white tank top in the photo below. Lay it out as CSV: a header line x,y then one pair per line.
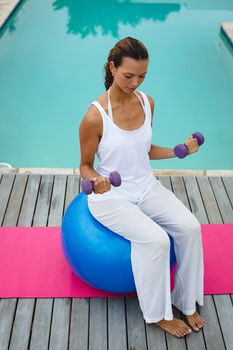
x,y
125,151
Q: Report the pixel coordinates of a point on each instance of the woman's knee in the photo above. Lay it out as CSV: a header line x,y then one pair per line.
x,y
191,226
154,244
161,242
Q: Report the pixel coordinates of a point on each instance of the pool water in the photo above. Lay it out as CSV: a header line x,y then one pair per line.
x,y
51,68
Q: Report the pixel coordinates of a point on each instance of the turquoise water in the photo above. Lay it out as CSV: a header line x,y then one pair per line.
x,y
51,67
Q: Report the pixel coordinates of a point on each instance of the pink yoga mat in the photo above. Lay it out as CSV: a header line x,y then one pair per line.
x,y
32,264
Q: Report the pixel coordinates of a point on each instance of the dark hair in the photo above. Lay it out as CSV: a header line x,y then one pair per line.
x,y
127,47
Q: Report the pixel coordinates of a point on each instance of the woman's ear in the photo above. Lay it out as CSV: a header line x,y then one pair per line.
x,y
112,67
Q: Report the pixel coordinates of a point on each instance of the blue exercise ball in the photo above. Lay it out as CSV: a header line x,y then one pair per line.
x,y
96,254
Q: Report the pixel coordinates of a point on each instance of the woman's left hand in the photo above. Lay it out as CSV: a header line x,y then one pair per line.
x,y
192,145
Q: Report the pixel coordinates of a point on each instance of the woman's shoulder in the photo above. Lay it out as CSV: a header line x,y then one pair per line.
x,y
150,99
148,96
103,100
92,117
93,111
152,104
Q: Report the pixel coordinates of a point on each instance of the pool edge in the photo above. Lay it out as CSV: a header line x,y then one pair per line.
x,y
7,8
158,172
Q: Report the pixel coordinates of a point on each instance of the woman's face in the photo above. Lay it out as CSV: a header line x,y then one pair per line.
x,y
130,74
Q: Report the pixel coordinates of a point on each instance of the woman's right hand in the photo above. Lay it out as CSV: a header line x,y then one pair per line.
x,y
101,184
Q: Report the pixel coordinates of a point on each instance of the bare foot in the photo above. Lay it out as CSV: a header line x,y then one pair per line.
x,y
175,327
195,321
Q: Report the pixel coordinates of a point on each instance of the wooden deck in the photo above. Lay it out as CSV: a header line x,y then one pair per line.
x,y
105,323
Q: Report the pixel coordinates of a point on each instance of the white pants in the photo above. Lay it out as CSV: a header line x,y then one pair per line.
x,y
146,223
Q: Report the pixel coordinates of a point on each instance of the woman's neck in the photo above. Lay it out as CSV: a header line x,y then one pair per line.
x,y
119,96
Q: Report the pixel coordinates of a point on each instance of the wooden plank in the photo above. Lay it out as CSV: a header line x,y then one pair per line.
x,y
225,314
43,202
60,324
209,200
135,325
29,200
228,183
73,188
224,204
165,181
41,324
57,203
180,190
195,201
156,339
98,338
15,200
79,324
117,337
5,191
22,324
7,313
212,330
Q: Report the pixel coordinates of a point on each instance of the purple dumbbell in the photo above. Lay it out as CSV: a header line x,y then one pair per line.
x,y
181,151
88,186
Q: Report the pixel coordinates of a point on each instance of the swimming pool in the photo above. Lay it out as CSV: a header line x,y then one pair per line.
x,y
51,67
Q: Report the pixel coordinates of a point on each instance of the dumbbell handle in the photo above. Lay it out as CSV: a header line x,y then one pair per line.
x,y
181,150
88,185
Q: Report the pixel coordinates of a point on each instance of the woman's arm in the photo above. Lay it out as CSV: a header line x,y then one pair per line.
x,y
157,152
90,131
89,134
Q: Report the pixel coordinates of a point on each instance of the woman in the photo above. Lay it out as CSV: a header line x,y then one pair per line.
x,y
118,128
